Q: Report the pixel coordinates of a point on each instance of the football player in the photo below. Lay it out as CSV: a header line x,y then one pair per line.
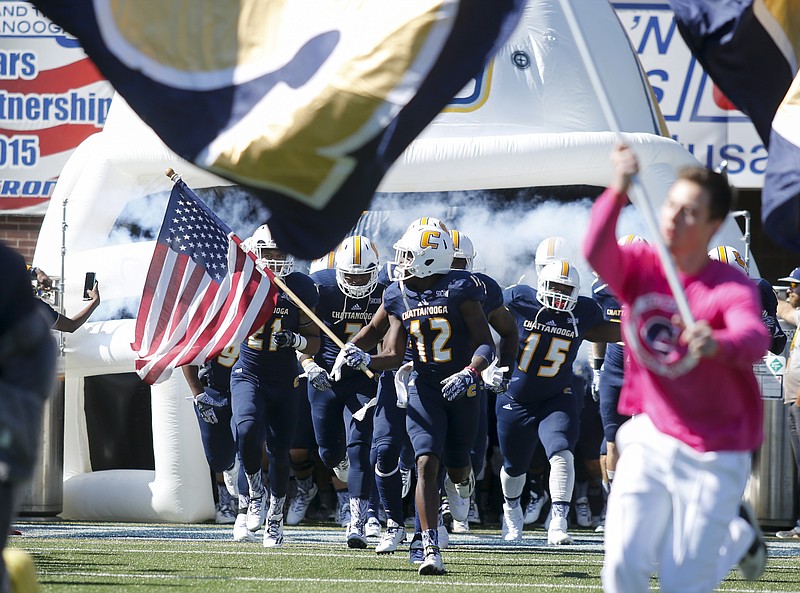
x,y
349,295
607,370
769,302
211,393
501,320
439,309
264,389
552,321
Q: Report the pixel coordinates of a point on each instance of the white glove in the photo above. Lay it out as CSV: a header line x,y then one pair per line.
x,y
494,377
317,376
460,384
401,378
596,385
336,371
355,357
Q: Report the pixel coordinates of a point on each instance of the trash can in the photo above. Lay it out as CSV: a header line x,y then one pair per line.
x,y
44,494
772,487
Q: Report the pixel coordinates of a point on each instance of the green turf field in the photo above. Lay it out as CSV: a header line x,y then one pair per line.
x,y
112,557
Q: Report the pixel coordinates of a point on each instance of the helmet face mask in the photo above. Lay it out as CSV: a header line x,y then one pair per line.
x,y
356,266
423,251
267,253
558,286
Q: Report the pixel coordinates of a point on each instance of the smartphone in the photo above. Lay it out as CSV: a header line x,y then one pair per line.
x,y
88,284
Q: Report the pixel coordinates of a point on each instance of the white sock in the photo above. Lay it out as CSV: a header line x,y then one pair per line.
x,y
562,476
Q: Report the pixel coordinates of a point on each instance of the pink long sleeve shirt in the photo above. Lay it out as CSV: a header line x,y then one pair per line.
x,y
711,404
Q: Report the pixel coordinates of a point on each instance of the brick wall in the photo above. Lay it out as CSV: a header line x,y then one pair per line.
x,y
21,233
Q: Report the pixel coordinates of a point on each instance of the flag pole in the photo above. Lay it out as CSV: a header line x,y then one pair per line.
x,y
170,172
638,194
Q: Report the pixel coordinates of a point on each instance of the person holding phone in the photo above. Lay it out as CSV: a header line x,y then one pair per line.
x,y
91,293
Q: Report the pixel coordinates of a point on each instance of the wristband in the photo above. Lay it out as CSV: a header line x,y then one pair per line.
x,y
597,363
473,370
307,362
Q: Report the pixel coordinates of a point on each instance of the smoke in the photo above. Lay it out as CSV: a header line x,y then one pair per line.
x,y
505,232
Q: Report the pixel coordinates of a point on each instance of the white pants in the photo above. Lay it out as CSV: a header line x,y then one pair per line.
x,y
674,511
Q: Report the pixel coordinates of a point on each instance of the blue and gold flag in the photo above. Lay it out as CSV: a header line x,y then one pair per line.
x,y
306,103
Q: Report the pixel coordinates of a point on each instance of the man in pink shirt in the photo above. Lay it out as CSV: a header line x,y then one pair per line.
x,y
685,456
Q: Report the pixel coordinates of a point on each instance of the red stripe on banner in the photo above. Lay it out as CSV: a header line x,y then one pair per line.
x,y
57,138
194,332
150,283
166,305
246,302
188,295
57,80
17,203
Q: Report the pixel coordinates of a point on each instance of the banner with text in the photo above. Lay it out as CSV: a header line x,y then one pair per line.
x,y
697,114
51,99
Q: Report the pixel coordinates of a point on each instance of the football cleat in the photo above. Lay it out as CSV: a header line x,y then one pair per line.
x,y
432,563
474,515
373,527
240,531
416,551
583,514
535,506
557,532
513,521
257,511
459,504
460,526
225,508
754,561
394,535
273,533
356,537
299,505
793,533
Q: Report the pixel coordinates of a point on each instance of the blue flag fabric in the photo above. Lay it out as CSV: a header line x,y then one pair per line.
x,y
307,105
749,48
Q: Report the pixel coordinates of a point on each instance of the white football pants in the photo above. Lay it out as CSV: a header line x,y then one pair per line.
x,y
674,511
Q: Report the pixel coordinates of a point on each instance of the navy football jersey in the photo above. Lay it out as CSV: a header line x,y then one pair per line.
x,y
258,353
344,315
439,338
494,294
769,305
612,311
217,371
549,342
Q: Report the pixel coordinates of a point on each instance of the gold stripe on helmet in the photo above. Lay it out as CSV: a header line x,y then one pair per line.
x,y
565,268
357,250
456,239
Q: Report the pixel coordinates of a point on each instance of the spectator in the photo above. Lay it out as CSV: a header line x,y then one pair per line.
x,y
789,312
62,322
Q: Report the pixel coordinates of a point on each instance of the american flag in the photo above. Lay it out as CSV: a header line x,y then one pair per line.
x,y
202,292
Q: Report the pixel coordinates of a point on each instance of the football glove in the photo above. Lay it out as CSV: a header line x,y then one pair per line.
x,y
287,339
459,384
355,357
206,407
596,385
317,376
495,379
